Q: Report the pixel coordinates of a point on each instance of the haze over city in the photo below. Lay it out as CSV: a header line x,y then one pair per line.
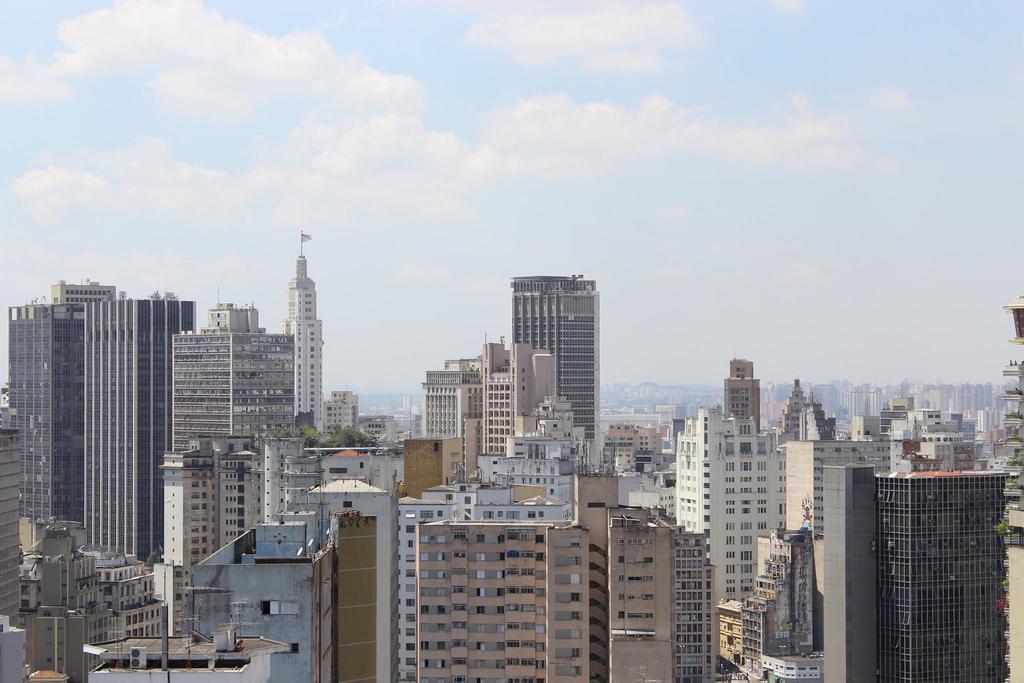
x,y
826,187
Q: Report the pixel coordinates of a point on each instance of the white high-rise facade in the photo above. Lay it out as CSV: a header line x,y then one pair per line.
x,y
303,324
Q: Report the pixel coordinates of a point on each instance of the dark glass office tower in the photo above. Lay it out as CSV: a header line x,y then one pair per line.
x,y
128,422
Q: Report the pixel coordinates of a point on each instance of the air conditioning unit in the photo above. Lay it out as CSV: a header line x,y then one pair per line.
x,y
137,658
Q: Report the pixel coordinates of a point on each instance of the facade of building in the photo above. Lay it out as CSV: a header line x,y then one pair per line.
x,y
353,495
276,580
515,381
340,410
849,568
126,587
12,651
307,330
384,427
805,463
46,397
232,378
630,448
128,423
210,498
10,481
940,570
432,462
730,485
562,315
62,607
743,392
450,396
730,630
778,617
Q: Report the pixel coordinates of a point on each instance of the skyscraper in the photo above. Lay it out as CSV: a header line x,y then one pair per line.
x,y
562,315
743,391
47,395
307,330
232,378
128,400
939,576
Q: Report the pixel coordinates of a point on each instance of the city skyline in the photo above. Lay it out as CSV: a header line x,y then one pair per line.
x,y
843,190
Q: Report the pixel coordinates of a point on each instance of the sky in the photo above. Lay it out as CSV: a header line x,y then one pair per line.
x,y
829,189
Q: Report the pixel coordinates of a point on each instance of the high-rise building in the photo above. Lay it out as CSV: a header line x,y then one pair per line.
x,y
307,329
340,410
232,378
453,405
743,392
128,423
562,315
47,393
731,485
10,481
778,617
515,381
939,577
805,461
210,498
849,568
515,599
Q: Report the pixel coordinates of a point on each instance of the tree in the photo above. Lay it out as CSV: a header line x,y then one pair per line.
x,y
349,437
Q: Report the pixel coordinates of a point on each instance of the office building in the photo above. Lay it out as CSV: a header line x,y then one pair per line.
x,y
232,378
46,347
226,657
453,404
731,485
805,463
898,408
210,498
562,315
12,651
128,423
126,587
62,606
939,576
341,410
743,392
515,381
850,572
10,480
307,330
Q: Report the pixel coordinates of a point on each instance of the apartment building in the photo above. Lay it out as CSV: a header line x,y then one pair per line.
x,y
743,392
515,381
731,486
453,405
340,410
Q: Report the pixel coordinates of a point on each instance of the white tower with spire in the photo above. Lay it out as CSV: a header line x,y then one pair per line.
x,y
307,329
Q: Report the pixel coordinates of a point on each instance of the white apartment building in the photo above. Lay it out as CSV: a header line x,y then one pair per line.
x,y
730,484
340,410
303,324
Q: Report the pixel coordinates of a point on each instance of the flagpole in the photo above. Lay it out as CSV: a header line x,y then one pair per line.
x,y
301,242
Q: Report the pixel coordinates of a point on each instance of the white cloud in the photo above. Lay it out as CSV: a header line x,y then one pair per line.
x,y
340,170
554,137
789,5
605,35
890,99
204,64
29,83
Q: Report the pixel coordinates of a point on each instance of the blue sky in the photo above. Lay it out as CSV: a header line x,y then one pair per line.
x,y
830,189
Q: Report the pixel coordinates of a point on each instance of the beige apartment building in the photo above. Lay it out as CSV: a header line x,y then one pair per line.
x,y
340,410
515,380
527,601
743,392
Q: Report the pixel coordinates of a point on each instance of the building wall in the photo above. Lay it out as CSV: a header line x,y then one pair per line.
x,y
128,424
431,462
12,651
1015,582
355,609
805,461
743,392
10,558
340,410
563,316
307,329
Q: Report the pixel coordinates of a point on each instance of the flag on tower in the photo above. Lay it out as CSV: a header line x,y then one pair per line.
x,y
305,237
